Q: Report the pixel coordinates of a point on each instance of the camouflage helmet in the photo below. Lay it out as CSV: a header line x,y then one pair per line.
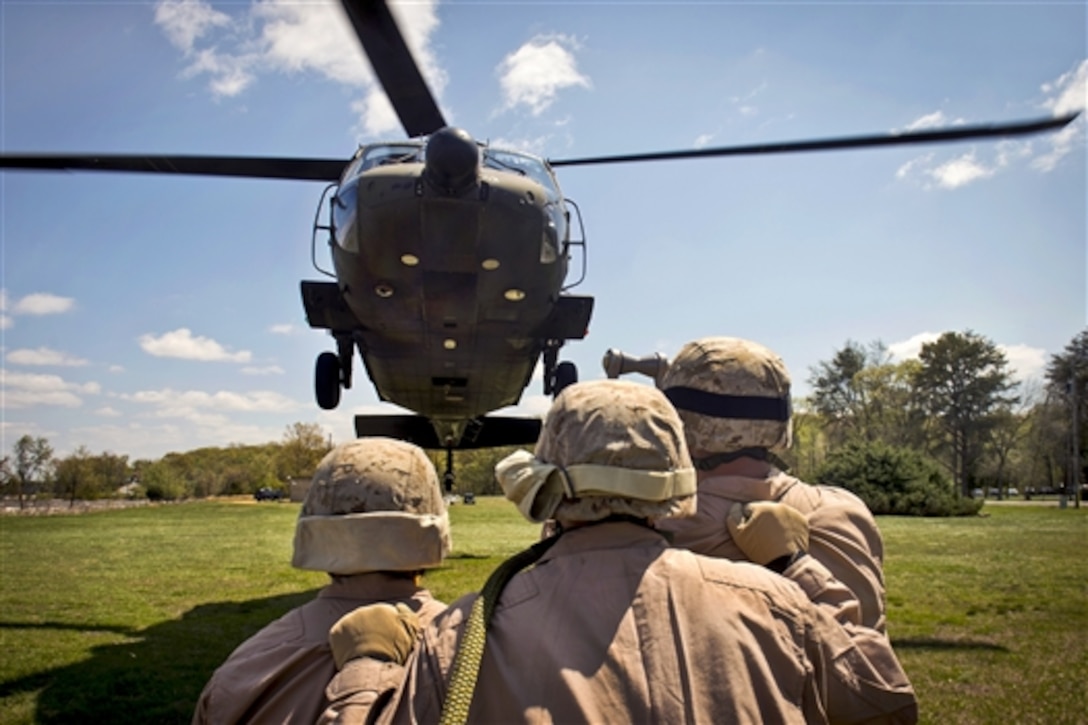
x,y
732,394
607,447
374,504
613,423
374,474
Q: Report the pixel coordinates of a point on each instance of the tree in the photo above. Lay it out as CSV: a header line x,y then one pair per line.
x,y
72,475
1067,383
837,395
31,458
862,395
961,383
84,476
303,447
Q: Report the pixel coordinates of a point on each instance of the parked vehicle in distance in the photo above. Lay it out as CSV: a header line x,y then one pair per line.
x,y
267,493
469,498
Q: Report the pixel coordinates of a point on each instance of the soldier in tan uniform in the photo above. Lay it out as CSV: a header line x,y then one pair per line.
x,y
733,396
373,519
612,624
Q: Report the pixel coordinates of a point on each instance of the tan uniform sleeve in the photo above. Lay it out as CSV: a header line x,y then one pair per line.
x,y
858,675
360,692
844,536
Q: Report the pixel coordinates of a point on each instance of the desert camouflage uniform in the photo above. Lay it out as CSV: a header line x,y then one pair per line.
x,y
614,625
279,674
373,519
843,534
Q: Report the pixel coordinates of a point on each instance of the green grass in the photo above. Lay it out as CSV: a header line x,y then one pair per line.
x,y
121,616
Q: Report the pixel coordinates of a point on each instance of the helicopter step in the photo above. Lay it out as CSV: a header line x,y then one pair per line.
x,y
490,431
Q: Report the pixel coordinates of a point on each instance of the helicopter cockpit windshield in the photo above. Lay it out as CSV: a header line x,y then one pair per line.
x,y
389,154
524,164
368,157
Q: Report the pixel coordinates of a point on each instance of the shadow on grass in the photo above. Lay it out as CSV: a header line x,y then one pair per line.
x,y
157,677
934,643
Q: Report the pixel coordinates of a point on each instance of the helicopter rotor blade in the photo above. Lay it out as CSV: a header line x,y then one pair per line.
x,y
394,66
941,135
259,167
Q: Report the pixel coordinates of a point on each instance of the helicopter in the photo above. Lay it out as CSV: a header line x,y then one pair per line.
x,y
450,257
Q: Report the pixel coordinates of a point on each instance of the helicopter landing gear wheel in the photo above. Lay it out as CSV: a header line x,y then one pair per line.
x,y
566,373
327,380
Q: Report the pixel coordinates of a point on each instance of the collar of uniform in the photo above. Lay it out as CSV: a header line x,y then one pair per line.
x,y
746,488
605,535
371,585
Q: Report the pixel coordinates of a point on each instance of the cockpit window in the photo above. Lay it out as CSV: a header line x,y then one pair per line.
x,y
389,154
525,164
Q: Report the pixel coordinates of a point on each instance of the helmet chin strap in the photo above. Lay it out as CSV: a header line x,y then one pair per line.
x,y
709,463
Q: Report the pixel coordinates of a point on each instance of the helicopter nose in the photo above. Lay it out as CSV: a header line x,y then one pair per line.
x,y
452,160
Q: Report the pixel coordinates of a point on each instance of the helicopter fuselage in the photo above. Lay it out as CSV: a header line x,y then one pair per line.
x,y
454,292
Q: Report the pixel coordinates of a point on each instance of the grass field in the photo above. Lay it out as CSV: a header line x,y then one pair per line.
x,y
121,616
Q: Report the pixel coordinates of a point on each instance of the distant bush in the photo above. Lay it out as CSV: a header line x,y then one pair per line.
x,y
894,480
162,482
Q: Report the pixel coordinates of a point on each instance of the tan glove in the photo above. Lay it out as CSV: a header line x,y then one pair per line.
x,y
766,531
381,631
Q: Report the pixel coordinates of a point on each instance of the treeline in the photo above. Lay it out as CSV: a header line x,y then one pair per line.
x,y
32,470
925,436
918,437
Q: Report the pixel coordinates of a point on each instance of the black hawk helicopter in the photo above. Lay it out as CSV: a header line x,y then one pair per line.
x,y
450,257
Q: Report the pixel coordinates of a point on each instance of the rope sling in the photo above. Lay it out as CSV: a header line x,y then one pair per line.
x,y
470,653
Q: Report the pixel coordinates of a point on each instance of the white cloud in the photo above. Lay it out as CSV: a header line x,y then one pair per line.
x,y
1066,94
23,390
1025,362
184,21
300,37
42,303
908,168
186,403
286,36
108,412
909,348
230,74
937,119
534,74
116,368
283,329
1069,92
265,370
181,344
6,322
930,120
43,356
960,171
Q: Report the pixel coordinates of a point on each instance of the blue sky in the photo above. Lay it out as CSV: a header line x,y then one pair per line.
x,y
143,314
